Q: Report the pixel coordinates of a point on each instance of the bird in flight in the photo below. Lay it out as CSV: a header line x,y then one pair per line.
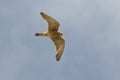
x,y
53,34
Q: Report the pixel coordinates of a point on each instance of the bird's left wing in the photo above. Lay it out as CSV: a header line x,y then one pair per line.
x,y
60,44
53,24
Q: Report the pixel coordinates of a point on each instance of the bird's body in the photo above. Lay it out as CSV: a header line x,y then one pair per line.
x,y
53,34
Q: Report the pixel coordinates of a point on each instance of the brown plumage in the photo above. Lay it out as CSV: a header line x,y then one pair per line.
x,y
54,34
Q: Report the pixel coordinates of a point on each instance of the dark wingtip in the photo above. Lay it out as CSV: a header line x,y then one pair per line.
x,y
57,59
41,13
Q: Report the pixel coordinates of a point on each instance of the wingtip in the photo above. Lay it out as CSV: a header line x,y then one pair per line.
x,y
57,57
41,13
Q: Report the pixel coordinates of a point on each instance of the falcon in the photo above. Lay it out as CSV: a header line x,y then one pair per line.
x,y
53,34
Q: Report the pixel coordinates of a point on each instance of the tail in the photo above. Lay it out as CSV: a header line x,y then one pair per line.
x,y
41,34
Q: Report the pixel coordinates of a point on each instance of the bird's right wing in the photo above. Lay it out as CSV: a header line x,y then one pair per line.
x,y
53,24
60,44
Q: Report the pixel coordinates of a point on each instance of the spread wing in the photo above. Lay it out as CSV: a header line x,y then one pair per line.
x,y
60,44
53,24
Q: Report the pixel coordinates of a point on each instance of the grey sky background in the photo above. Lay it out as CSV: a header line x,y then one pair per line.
x,y
91,29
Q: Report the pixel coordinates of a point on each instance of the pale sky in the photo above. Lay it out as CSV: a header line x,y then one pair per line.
x,y
91,29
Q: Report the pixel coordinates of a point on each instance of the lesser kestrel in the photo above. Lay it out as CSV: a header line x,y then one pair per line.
x,y
53,34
